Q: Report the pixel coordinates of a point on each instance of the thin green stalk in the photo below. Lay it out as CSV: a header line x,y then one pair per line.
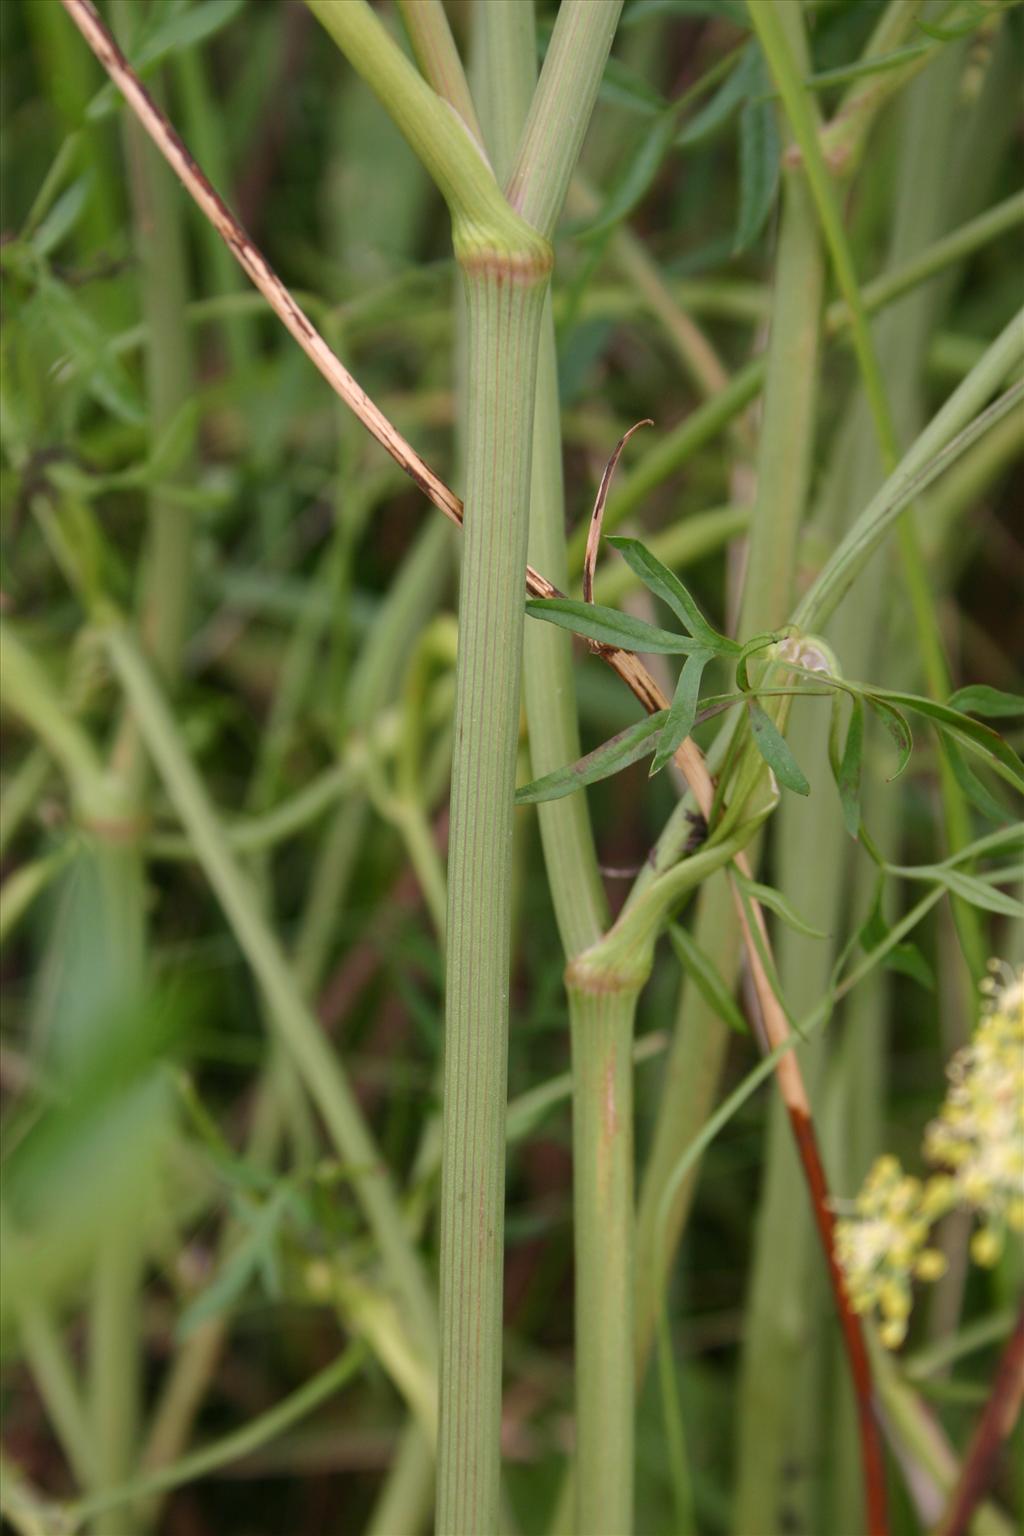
x,y
561,109
255,834
157,226
507,69
962,421
242,1442
785,69
115,1327
205,133
54,1377
319,1068
482,221
115,1353
25,884
787,435
26,691
403,1507
602,1025
21,793
427,25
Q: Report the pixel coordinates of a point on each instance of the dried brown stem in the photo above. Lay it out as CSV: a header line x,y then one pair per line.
x,y
597,516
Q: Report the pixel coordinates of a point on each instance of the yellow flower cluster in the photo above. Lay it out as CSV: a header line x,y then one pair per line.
x,y
979,1133
977,1139
881,1246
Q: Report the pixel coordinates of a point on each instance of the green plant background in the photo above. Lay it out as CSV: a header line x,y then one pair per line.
x,y
192,1225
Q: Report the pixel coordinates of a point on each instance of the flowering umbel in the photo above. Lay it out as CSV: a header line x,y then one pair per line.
x,y
976,1140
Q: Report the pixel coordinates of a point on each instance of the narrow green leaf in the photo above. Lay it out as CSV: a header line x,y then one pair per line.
x,y
174,442
961,29
609,627
247,1260
683,710
769,897
618,753
979,699
707,978
980,894
905,958
979,738
826,78
973,788
99,370
760,158
726,101
624,87
848,778
909,961
664,583
184,29
62,217
637,176
772,746
895,723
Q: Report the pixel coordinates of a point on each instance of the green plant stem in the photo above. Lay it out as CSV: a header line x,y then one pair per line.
x,y
254,834
700,1038
506,272
561,109
232,1447
404,1503
26,691
21,793
843,140
504,316
54,1377
427,25
115,1383
602,1031
156,217
25,884
482,221
319,1068
785,69
961,422
205,133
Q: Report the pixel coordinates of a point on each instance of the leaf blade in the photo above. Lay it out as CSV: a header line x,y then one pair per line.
x,y
607,626
772,746
610,757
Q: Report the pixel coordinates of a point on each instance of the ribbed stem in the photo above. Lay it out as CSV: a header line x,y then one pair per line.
x,y
602,1042
504,309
